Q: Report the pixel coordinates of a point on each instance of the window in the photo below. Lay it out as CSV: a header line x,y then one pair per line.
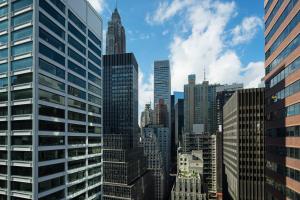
x,y
76,104
76,140
93,119
3,39
76,92
94,79
76,21
21,34
21,155
21,171
51,112
76,116
94,38
21,19
273,13
75,128
51,40
76,176
94,160
17,5
94,48
3,82
3,96
94,170
51,155
3,111
51,169
3,54
21,109
21,64
94,58
51,126
51,140
51,83
76,152
76,56
19,186
94,89
50,184
21,140
94,109
21,94
3,155
94,99
94,150
3,11
21,79
94,68
3,140
21,125
3,169
3,25
94,130
21,49
51,97
75,80
3,68
75,188
75,68
95,140
56,195
76,33
52,12
51,25
51,54
76,44
76,164
50,68
59,5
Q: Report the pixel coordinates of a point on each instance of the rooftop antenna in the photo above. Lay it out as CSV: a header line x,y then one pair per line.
x,y
116,4
204,74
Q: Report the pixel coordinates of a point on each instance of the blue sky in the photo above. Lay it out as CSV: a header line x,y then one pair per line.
x,y
225,37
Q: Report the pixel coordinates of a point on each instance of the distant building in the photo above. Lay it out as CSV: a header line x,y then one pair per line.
x,y
207,144
224,93
161,114
200,105
179,121
115,36
147,116
243,144
189,183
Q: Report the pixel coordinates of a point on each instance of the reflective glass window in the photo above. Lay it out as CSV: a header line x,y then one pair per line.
x,y
21,19
51,97
50,82
21,64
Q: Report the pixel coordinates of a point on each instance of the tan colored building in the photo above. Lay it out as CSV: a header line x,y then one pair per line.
x,y
282,80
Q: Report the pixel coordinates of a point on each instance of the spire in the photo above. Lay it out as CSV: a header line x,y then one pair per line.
x,y
204,74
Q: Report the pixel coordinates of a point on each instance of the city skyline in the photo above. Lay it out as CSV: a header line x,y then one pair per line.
x,y
160,39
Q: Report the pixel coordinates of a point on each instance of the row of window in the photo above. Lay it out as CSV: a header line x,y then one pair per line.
x,y
16,110
16,50
16,20
284,151
52,12
289,90
294,22
16,35
293,110
295,65
17,65
286,52
283,170
280,20
273,13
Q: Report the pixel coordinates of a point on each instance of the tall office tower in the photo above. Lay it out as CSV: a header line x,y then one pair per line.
x,y
223,95
115,36
147,116
154,152
50,97
125,172
200,105
161,114
172,128
282,78
189,183
244,144
162,82
179,121
207,144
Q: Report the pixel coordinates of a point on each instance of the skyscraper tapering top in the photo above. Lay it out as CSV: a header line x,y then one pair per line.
x,y
115,38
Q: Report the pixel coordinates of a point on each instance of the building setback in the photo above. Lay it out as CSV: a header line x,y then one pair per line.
x,y
124,164
50,100
282,81
243,144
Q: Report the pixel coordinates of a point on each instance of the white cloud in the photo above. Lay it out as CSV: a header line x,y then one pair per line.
x,y
205,44
245,31
98,5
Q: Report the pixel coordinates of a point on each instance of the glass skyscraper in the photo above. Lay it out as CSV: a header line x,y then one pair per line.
x,y
50,100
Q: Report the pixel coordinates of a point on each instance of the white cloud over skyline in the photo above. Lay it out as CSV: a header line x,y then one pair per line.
x,y
98,5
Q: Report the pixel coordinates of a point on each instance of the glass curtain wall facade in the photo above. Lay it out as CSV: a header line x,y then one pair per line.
x,y
50,100
282,77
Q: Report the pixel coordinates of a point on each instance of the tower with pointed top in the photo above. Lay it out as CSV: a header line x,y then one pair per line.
x,y
115,37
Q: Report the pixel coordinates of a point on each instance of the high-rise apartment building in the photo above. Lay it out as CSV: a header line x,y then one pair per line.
x,y
51,91
189,182
124,165
200,105
282,78
115,37
243,144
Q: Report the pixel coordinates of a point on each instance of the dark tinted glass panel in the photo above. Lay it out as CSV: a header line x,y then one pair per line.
x,y
21,125
76,21
21,49
52,12
50,184
3,68
21,94
21,109
21,140
51,97
21,64
96,50
49,82
94,130
94,58
52,69
20,4
51,25
77,81
76,140
21,79
76,33
51,40
21,155
51,126
75,68
94,109
76,92
3,96
51,169
75,128
94,79
3,82
95,39
21,34
21,19
94,68
18,186
76,104
51,140
76,116
59,5
76,56
76,44
51,155
51,112
76,164
51,54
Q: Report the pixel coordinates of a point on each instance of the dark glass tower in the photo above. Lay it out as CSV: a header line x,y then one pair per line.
x,y
115,38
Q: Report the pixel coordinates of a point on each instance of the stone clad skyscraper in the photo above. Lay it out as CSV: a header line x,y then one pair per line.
x,y
115,37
